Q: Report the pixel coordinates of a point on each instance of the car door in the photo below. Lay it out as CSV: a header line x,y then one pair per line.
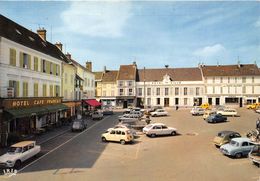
x,y
245,147
111,135
156,130
25,153
165,130
118,135
31,150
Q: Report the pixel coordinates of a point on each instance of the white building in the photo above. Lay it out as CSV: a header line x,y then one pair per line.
x,y
233,85
170,87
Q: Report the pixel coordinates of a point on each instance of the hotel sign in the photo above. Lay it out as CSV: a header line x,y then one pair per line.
x,y
30,102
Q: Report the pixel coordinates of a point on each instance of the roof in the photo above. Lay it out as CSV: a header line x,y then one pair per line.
x,y
23,143
98,75
230,70
25,37
78,64
176,74
78,77
110,76
127,72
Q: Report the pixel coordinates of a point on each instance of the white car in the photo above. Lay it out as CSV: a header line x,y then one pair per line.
x,y
159,112
228,112
97,115
126,126
157,129
122,135
18,153
197,111
257,111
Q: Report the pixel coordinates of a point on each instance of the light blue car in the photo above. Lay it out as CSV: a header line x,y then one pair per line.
x,y
238,147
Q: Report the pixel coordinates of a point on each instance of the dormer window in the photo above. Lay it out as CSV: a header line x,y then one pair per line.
x,y
17,31
31,38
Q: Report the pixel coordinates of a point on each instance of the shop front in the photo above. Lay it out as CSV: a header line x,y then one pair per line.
x,y
25,117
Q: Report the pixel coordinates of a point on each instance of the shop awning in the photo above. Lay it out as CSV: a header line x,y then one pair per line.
x,y
56,107
93,102
27,112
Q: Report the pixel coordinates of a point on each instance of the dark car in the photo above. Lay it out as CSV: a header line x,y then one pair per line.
x,y
224,137
78,125
216,118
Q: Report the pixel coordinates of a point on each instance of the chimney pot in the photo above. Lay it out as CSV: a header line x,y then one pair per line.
x,y
42,33
89,66
59,45
68,56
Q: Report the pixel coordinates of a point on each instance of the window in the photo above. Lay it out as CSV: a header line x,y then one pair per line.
x,y
118,132
228,79
176,91
57,70
35,93
221,79
43,65
253,79
166,91
253,89
121,83
243,79
197,91
185,101
121,92
245,144
14,84
35,64
148,101
213,89
158,101
130,83
140,91
25,89
213,80
157,91
44,90
112,93
244,90
25,60
104,93
148,91
51,90
112,132
130,91
185,91
12,57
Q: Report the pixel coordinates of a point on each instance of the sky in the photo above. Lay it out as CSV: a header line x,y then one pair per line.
x,y
151,33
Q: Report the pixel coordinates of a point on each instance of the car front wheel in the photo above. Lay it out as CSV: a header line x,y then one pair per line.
x,y
122,142
153,135
238,155
17,164
103,139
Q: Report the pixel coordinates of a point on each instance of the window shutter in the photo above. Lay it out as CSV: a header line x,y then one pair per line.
x,y
11,83
17,89
47,67
21,59
29,62
54,69
55,90
41,65
12,57
36,63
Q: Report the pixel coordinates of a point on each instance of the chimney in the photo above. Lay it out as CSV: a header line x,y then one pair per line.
x,y
134,63
59,45
238,64
105,69
42,33
89,66
68,56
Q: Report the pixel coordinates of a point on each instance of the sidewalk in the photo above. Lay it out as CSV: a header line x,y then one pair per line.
x,y
40,139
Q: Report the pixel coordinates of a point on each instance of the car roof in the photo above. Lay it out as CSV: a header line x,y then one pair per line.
x,y
22,143
121,129
225,132
157,124
242,139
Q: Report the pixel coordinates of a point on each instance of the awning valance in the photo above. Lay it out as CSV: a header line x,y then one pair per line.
x,y
56,107
93,102
26,112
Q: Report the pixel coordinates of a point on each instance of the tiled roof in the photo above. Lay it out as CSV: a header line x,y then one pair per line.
x,y
17,33
176,74
110,76
231,70
127,72
98,75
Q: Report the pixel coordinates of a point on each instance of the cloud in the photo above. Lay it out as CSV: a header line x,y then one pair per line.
x,y
97,19
257,23
210,51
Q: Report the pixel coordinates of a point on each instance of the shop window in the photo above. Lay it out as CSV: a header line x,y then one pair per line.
x,y
15,85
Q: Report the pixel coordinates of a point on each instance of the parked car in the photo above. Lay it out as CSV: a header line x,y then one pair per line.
x,y
216,118
208,113
122,135
253,106
138,113
126,126
18,153
254,155
107,110
224,137
197,111
205,106
97,115
158,129
238,147
159,112
228,112
78,125
257,111
128,118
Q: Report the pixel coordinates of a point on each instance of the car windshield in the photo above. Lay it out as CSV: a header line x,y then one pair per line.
x,y
234,143
76,123
14,150
149,126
